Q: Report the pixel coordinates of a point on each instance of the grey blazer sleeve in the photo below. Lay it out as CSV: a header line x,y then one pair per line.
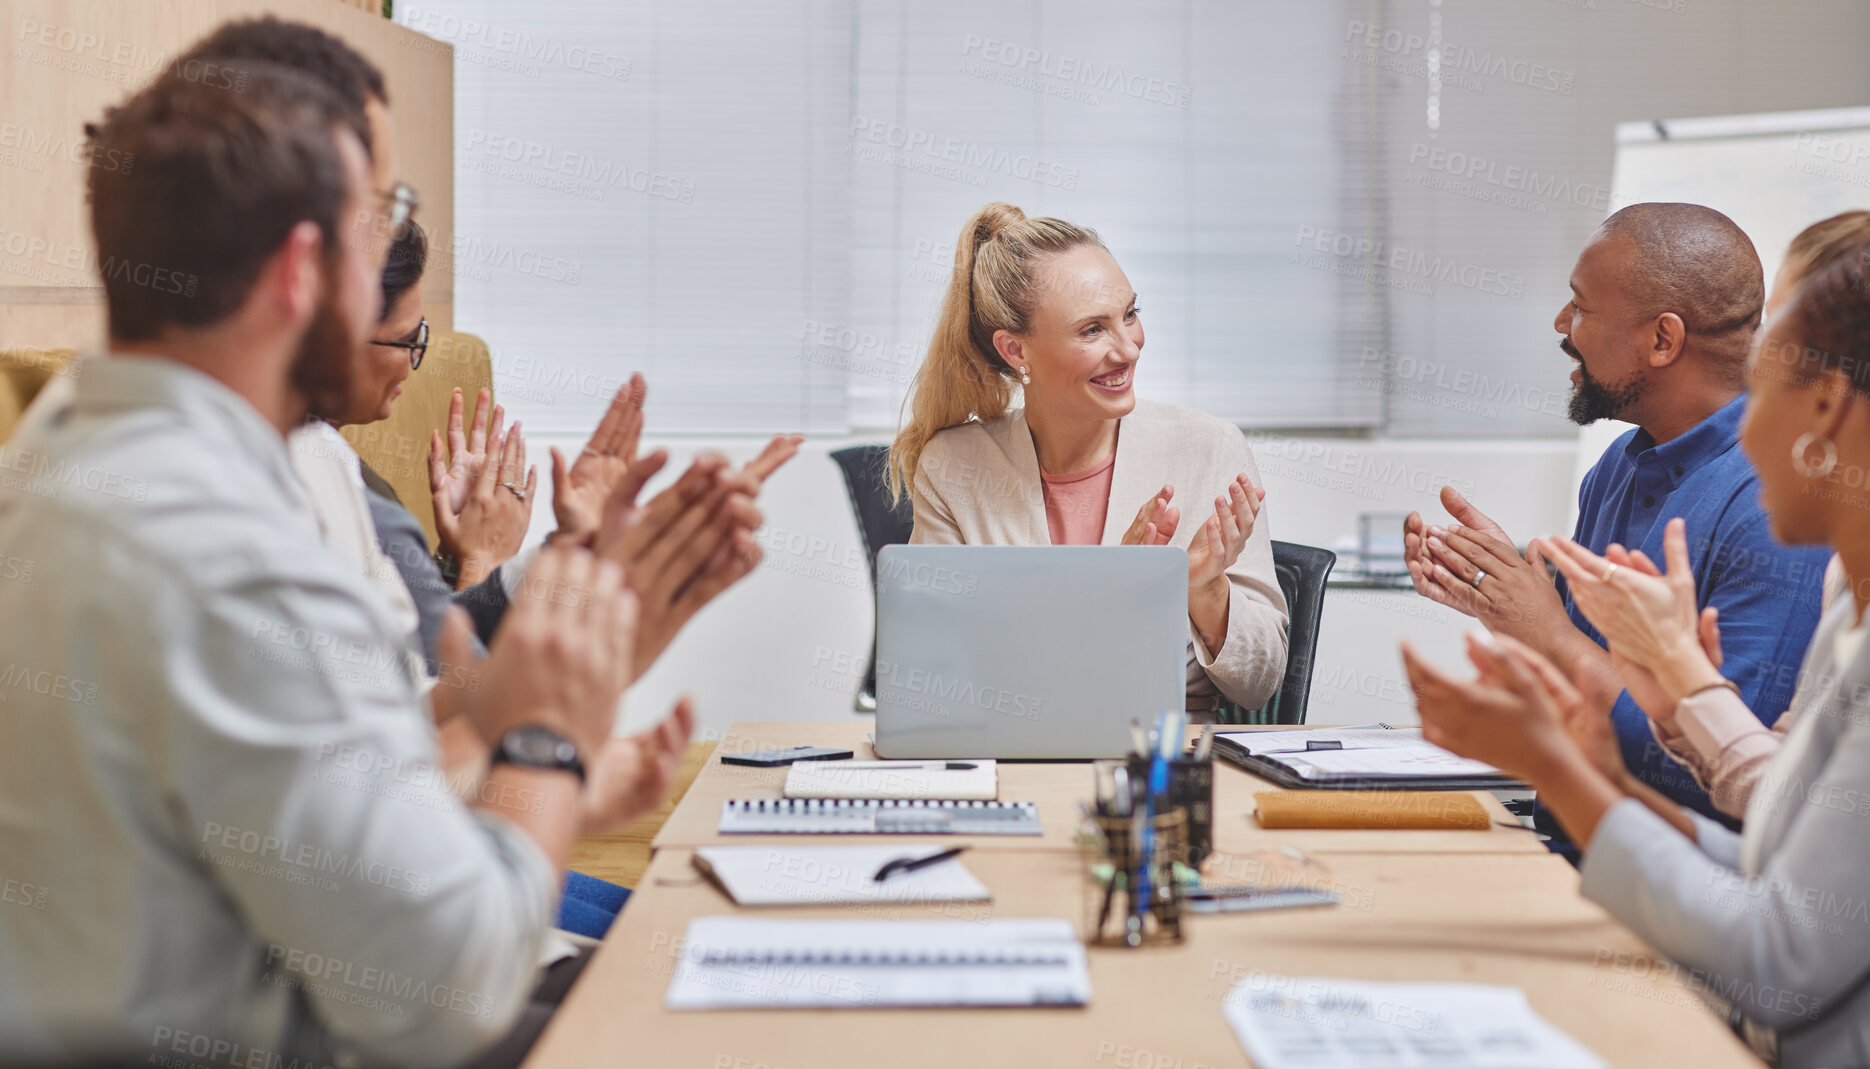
x,y
407,547
1784,947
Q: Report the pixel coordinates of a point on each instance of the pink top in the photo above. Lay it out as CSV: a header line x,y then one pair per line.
x,y
1723,745
1075,504
1721,742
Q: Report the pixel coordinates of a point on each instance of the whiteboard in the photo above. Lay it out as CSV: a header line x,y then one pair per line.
x,y
1773,173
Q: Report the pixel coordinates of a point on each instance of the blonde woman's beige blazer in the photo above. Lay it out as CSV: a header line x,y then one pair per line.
x,y
978,484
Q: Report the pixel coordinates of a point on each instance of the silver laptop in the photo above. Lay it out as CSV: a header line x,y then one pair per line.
x,y
1027,651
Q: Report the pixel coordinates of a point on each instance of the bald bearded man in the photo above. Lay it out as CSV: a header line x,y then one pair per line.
x,y
1664,302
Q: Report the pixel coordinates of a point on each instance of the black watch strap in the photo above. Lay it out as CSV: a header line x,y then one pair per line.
x,y
538,746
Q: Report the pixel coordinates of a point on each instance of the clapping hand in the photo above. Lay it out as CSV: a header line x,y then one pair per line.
x,y
1213,549
580,489
1512,716
491,523
691,541
1155,522
1662,646
452,472
630,775
1472,567
563,655
1218,544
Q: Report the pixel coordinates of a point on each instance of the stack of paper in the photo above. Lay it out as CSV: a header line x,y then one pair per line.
x,y
1317,1023
834,875
971,780
751,963
1326,754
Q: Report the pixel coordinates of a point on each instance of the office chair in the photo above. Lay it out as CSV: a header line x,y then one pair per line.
x,y
881,524
1302,571
23,373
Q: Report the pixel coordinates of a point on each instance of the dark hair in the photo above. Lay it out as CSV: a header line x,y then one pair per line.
x,y
295,45
223,173
409,256
1827,324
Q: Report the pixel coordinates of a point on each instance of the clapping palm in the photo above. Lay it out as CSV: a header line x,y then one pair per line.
x,y
580,489
452,473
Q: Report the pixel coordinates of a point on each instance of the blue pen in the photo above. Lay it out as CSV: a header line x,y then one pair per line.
x,y
1168,740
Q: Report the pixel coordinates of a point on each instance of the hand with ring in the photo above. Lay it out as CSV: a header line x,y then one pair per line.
x,y
1472,567
492,521
1665,647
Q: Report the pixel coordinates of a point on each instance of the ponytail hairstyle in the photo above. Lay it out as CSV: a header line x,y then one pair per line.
x,y
992,288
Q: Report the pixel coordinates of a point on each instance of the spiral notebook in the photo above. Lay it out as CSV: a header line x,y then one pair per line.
x,y
755,963
973,780
798,875
869,816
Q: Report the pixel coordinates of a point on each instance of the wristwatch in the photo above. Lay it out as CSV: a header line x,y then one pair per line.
x,y
537,746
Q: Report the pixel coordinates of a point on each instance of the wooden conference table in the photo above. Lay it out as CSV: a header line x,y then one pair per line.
x,y
1472,906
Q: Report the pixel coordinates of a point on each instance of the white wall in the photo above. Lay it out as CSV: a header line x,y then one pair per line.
x,y
790,642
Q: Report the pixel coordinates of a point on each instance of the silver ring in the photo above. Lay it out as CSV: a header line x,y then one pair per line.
x,y
1608,572
518,491
1478,576
589,452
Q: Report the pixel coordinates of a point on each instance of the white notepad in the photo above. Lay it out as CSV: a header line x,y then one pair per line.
x,y
753,963
970,780
1317,1023
789,875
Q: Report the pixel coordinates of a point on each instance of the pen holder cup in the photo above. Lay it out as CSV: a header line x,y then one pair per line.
x,y
1191,788
1114,867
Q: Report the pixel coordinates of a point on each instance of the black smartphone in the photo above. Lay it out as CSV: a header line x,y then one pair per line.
x,y
773,758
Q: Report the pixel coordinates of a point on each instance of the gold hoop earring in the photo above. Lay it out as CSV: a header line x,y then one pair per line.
x,y
1805,467
1025,378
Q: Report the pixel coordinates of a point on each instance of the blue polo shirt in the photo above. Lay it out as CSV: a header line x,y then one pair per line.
x,y
1768,594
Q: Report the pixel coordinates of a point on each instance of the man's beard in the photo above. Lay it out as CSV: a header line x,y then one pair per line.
x,y
322,370
1592,400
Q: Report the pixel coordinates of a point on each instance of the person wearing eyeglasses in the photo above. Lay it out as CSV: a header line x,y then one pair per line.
x,y
478,527
481,534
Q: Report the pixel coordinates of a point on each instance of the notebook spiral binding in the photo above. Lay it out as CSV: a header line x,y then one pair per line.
x,y
884,957
877,816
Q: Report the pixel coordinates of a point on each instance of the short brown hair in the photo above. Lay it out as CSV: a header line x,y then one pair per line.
x,y
226,166
306,49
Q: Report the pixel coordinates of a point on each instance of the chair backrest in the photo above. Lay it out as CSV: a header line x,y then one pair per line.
x,y
1302,571
398,447
23,373
879,522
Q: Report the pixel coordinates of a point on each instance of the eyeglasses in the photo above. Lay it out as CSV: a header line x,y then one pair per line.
x,y
417,349
400,203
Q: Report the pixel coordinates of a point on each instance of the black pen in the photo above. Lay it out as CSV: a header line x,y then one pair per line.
x,y
910,864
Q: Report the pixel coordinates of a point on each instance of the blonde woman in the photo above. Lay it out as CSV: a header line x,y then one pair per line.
x,y
1038,311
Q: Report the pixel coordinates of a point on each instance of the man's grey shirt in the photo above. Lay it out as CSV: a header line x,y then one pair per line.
x,y
224,835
